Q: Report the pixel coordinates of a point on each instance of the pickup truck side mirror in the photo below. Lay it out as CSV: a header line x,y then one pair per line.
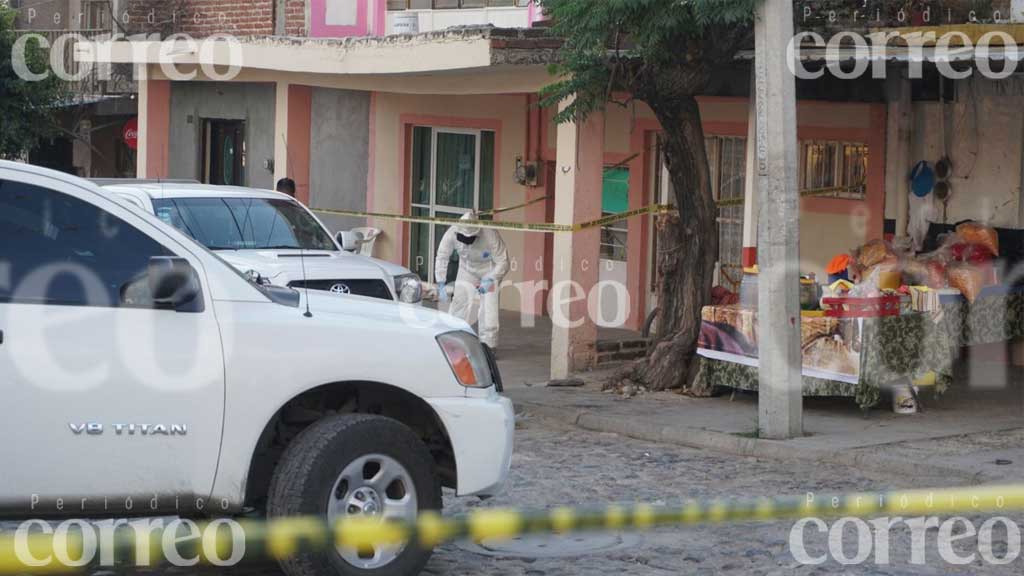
x,y
349,241
172,282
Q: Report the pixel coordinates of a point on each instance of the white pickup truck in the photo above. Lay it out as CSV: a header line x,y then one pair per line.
x,y
142,374
271,237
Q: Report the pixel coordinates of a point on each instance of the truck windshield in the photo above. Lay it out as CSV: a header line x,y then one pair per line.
x,y
245,223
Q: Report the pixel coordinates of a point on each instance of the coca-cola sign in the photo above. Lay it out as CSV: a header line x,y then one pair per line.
x,y
130,133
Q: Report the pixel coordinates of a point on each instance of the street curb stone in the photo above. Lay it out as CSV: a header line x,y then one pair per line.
x,y
749,447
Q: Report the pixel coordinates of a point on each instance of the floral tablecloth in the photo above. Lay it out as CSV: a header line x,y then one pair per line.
x,y
885,350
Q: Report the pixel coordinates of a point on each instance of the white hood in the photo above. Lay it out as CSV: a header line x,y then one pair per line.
x,y
283,266
380,314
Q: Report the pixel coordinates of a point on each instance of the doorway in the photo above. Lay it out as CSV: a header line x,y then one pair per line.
x,y
452,174
224,153
614,247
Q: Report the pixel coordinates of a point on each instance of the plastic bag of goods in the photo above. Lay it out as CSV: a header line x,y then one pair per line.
x,y
980,235
874,253
969,280
971,253
926,270
937,274
915,272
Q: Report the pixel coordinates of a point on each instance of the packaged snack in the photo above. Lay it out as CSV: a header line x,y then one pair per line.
x,y
973,253
978,234
915,272
968,279
936,274
873,253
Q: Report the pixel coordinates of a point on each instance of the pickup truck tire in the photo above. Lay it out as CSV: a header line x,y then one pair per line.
x,y
308,479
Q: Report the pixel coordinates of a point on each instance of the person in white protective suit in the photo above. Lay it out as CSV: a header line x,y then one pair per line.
x,y
483,263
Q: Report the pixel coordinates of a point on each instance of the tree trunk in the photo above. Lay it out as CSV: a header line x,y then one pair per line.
x,y
687,252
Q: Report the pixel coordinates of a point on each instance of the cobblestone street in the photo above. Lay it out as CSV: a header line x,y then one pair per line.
x,y
555,465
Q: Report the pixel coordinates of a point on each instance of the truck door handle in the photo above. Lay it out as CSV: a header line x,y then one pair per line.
x,y
1,336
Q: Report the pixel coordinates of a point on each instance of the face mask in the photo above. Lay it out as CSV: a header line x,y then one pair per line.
x,y
467,240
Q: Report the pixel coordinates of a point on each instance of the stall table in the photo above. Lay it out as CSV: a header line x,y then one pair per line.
x,y
856,357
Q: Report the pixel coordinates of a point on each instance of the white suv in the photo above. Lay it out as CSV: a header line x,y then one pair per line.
x,y
271,237
143,374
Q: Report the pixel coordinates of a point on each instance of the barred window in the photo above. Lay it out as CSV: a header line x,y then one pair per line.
x,y
727,158
833,169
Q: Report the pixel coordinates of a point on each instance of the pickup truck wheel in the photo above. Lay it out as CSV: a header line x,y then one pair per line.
x,y
356,465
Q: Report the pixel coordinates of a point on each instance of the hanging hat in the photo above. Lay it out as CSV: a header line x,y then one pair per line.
x,y
922,179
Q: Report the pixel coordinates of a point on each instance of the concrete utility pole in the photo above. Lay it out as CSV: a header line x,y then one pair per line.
x,y
780,400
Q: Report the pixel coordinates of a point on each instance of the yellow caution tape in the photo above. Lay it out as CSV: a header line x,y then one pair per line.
x,y
545,227
284,538
516,207
548,227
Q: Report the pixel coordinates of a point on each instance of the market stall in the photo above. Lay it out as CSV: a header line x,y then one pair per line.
x,y
901,319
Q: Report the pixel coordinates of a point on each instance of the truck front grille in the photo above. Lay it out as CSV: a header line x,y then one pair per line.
x,y
370,288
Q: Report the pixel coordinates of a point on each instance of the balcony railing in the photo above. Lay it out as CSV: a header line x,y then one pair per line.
x,y
101,78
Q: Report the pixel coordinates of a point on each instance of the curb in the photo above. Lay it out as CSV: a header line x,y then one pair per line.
x,y
748,447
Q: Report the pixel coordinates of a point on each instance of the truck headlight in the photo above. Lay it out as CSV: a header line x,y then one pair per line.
x,y
467,358
409,288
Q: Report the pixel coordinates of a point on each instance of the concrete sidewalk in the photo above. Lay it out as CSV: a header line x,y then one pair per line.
x,y
974,446
961,435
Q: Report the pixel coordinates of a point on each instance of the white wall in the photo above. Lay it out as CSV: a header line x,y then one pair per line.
x,y
984,132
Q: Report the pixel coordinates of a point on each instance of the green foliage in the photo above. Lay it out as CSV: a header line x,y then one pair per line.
x,y
650,48
26,107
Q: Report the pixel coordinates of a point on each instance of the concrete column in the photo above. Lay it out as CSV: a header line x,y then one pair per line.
x,y
152,158
280,16
292,130
750,189
897,135
578,181
281,131
780,401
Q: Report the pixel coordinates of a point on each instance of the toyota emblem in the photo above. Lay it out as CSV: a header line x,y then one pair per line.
x,y
340,288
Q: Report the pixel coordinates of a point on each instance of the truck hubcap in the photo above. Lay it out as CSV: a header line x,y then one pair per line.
x,y
374,486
